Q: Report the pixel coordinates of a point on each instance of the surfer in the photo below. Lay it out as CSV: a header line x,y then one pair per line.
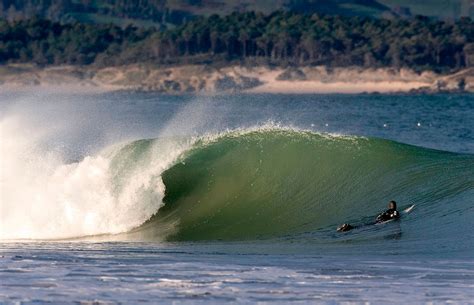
x,y
389,214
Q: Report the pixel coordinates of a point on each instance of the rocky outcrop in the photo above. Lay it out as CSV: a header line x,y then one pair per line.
x,y
292,74
235,83
460,82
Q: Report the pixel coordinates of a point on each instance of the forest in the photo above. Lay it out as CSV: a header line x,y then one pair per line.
x,y
281,38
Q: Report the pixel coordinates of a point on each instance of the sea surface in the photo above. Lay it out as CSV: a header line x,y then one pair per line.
x,y
143,198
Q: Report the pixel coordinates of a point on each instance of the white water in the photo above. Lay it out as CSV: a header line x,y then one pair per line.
x,y
41,197
44,197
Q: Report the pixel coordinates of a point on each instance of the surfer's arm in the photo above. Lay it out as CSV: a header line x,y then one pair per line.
x,y
382,217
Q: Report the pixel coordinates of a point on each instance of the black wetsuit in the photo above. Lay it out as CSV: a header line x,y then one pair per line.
x,y
387,215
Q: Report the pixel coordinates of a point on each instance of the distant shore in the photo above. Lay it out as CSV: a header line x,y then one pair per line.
x,y
194,79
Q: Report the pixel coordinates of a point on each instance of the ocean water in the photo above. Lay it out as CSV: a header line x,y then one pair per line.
x,y
132,197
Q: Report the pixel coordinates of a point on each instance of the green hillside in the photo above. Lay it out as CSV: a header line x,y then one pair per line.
x,y
452,9
169,13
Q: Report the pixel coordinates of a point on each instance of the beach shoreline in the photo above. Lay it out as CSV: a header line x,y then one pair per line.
x,y
195,79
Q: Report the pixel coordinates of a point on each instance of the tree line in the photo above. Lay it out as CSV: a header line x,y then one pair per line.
x,y
158,11
280,38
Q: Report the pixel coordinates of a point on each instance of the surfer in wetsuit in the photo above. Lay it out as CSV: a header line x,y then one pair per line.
x,y
389,214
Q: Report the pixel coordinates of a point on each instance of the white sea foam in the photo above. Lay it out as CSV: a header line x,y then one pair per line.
x,y
41,197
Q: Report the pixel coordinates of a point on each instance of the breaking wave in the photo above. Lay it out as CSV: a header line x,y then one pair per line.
x,y
248,184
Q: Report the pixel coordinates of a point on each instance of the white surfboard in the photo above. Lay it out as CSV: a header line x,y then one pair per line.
x,y
409,209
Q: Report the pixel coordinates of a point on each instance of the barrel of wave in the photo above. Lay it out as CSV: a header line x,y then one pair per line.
x,y
273,183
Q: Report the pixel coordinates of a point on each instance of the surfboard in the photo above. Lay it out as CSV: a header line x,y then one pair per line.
x,y
409,209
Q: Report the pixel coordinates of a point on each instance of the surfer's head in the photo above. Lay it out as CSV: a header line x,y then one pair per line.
x,y
392,205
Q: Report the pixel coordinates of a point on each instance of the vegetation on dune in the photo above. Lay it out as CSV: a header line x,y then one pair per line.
x,y
280,38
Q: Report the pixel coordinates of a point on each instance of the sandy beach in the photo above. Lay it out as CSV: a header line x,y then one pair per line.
x,y
205,79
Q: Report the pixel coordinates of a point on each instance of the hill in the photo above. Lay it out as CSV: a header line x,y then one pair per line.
x,y
169,13
441,9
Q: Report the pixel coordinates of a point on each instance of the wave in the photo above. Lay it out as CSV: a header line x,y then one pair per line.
x,y
270,183
249,184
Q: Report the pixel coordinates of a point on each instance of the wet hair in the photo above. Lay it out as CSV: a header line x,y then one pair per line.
x,y
394,204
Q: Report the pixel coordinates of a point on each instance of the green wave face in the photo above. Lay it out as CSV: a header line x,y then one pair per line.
x,y
275,183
